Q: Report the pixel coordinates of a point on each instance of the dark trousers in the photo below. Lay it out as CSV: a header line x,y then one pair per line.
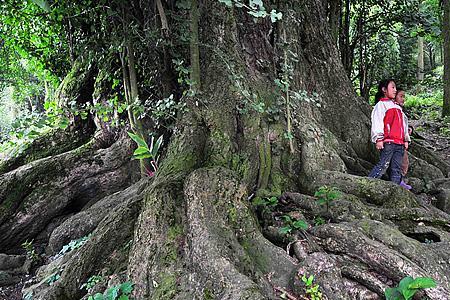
x,y
391,154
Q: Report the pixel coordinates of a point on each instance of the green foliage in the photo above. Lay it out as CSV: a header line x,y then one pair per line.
x,y
166,110
28,296
118,292
291,224
319,221
312,290
184,77
91,282
407,288
31,252
144,151
325,195
54,277
266,202
74,244
255,8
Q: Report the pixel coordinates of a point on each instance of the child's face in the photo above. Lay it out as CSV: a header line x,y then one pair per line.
x,y
400,98
390,91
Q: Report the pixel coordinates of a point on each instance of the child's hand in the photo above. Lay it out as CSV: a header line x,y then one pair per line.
x,y
379,145
406,145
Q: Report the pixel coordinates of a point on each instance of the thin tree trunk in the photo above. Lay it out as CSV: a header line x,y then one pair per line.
x,y
195,53
344,44
334,12
420,64
446,38
431,56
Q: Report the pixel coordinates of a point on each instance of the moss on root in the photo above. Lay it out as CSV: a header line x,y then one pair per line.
x,y
166,287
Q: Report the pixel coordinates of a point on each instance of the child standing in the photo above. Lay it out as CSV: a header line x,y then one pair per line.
x,y
400,100
388,131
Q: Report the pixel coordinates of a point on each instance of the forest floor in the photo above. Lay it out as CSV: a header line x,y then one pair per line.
x,y
434,133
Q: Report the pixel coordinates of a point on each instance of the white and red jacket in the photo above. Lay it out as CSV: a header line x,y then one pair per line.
x,y
389,124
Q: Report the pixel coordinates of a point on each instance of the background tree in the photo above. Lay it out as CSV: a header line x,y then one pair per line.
x,y
446,38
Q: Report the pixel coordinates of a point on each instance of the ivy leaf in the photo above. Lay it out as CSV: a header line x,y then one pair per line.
x,y
300,224
98,296
126,287
112,293
256,4
226,2
258,14
275,16
285,230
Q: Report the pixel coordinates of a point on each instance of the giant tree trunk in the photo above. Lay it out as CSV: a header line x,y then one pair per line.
x,y
192,230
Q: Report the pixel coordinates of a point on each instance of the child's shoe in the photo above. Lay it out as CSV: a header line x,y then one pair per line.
x,y
404,185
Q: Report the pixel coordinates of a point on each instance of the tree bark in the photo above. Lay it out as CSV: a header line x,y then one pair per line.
x,y
334,15
446,39
420,62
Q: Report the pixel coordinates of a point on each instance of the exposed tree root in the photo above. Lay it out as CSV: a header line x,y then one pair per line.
x,y
105,253
33,195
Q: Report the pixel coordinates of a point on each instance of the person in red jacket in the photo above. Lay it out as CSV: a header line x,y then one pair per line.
x,y
388,132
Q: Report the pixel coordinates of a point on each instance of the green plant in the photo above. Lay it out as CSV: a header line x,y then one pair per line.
x,y
255,8
407,287
120,292
267,202
74,244
291,224
319,221
143,151
312,290
91,282
54,277
28,296
325,195
31,252
166,109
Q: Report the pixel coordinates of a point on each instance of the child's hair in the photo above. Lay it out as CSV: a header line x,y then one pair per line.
x,y
382,84
399,89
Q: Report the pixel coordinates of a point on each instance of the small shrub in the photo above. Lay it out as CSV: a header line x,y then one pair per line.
x,y
319,221
407,287
325,195
266,202
291,224
31,252
118,292
312,290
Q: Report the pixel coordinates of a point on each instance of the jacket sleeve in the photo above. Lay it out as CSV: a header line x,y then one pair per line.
x,y
377,130
405,126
